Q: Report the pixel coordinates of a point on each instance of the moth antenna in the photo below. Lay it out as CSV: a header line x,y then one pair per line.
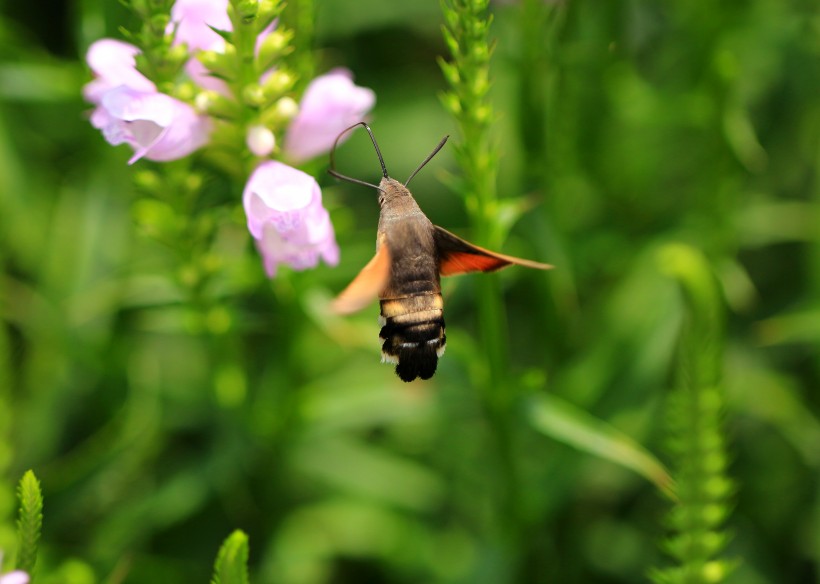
x,y
426,160
335,174
332,170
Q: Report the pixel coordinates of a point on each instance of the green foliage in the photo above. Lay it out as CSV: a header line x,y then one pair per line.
x,y
231,566
565,423
696,440
167,394
30,521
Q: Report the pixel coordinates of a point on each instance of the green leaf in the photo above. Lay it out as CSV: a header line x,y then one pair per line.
x,y
510,211
231,566
226,35
30,521
566,423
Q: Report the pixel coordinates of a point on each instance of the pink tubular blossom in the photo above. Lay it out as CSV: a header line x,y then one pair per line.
x,y
193,20
330,104
16,577
157,126
113,64
285,216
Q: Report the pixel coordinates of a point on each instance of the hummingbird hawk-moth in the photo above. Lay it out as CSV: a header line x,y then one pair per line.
x,y
411,255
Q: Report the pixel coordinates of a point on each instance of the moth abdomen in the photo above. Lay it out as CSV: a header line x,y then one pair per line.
x,y
413,334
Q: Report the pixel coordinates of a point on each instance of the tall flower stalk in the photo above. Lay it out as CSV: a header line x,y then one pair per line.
x,y
467,34
696,436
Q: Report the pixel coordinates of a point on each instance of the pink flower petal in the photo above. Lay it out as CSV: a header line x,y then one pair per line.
x,y
330,104
16,577
155,125
113,64
193,20
200,75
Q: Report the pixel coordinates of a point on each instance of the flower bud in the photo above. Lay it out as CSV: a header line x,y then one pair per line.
x,y
159,21
177,55
260,141
272,47
247,10
216,105
286,108
280,114
278,82
451,103
268,9
253,95
223,64
185,91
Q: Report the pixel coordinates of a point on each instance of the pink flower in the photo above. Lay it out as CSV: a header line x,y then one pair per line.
x,y
16,577
330,104
113,64
193,20
286,218
155,125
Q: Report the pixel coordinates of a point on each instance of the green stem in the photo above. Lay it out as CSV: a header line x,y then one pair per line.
x,y
467,36
244,41
300,16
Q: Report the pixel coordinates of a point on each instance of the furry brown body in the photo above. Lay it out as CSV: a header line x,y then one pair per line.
x,y
411,304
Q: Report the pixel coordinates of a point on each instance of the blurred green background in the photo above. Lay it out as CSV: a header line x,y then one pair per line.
x,y
158,426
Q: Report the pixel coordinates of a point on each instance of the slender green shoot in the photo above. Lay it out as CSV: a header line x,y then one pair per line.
x,y
467,36
30,521
696,439
231,566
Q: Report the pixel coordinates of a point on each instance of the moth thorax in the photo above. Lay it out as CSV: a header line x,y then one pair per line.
x,y
413,334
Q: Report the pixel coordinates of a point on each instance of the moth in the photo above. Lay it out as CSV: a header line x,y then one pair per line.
x,y
411,256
